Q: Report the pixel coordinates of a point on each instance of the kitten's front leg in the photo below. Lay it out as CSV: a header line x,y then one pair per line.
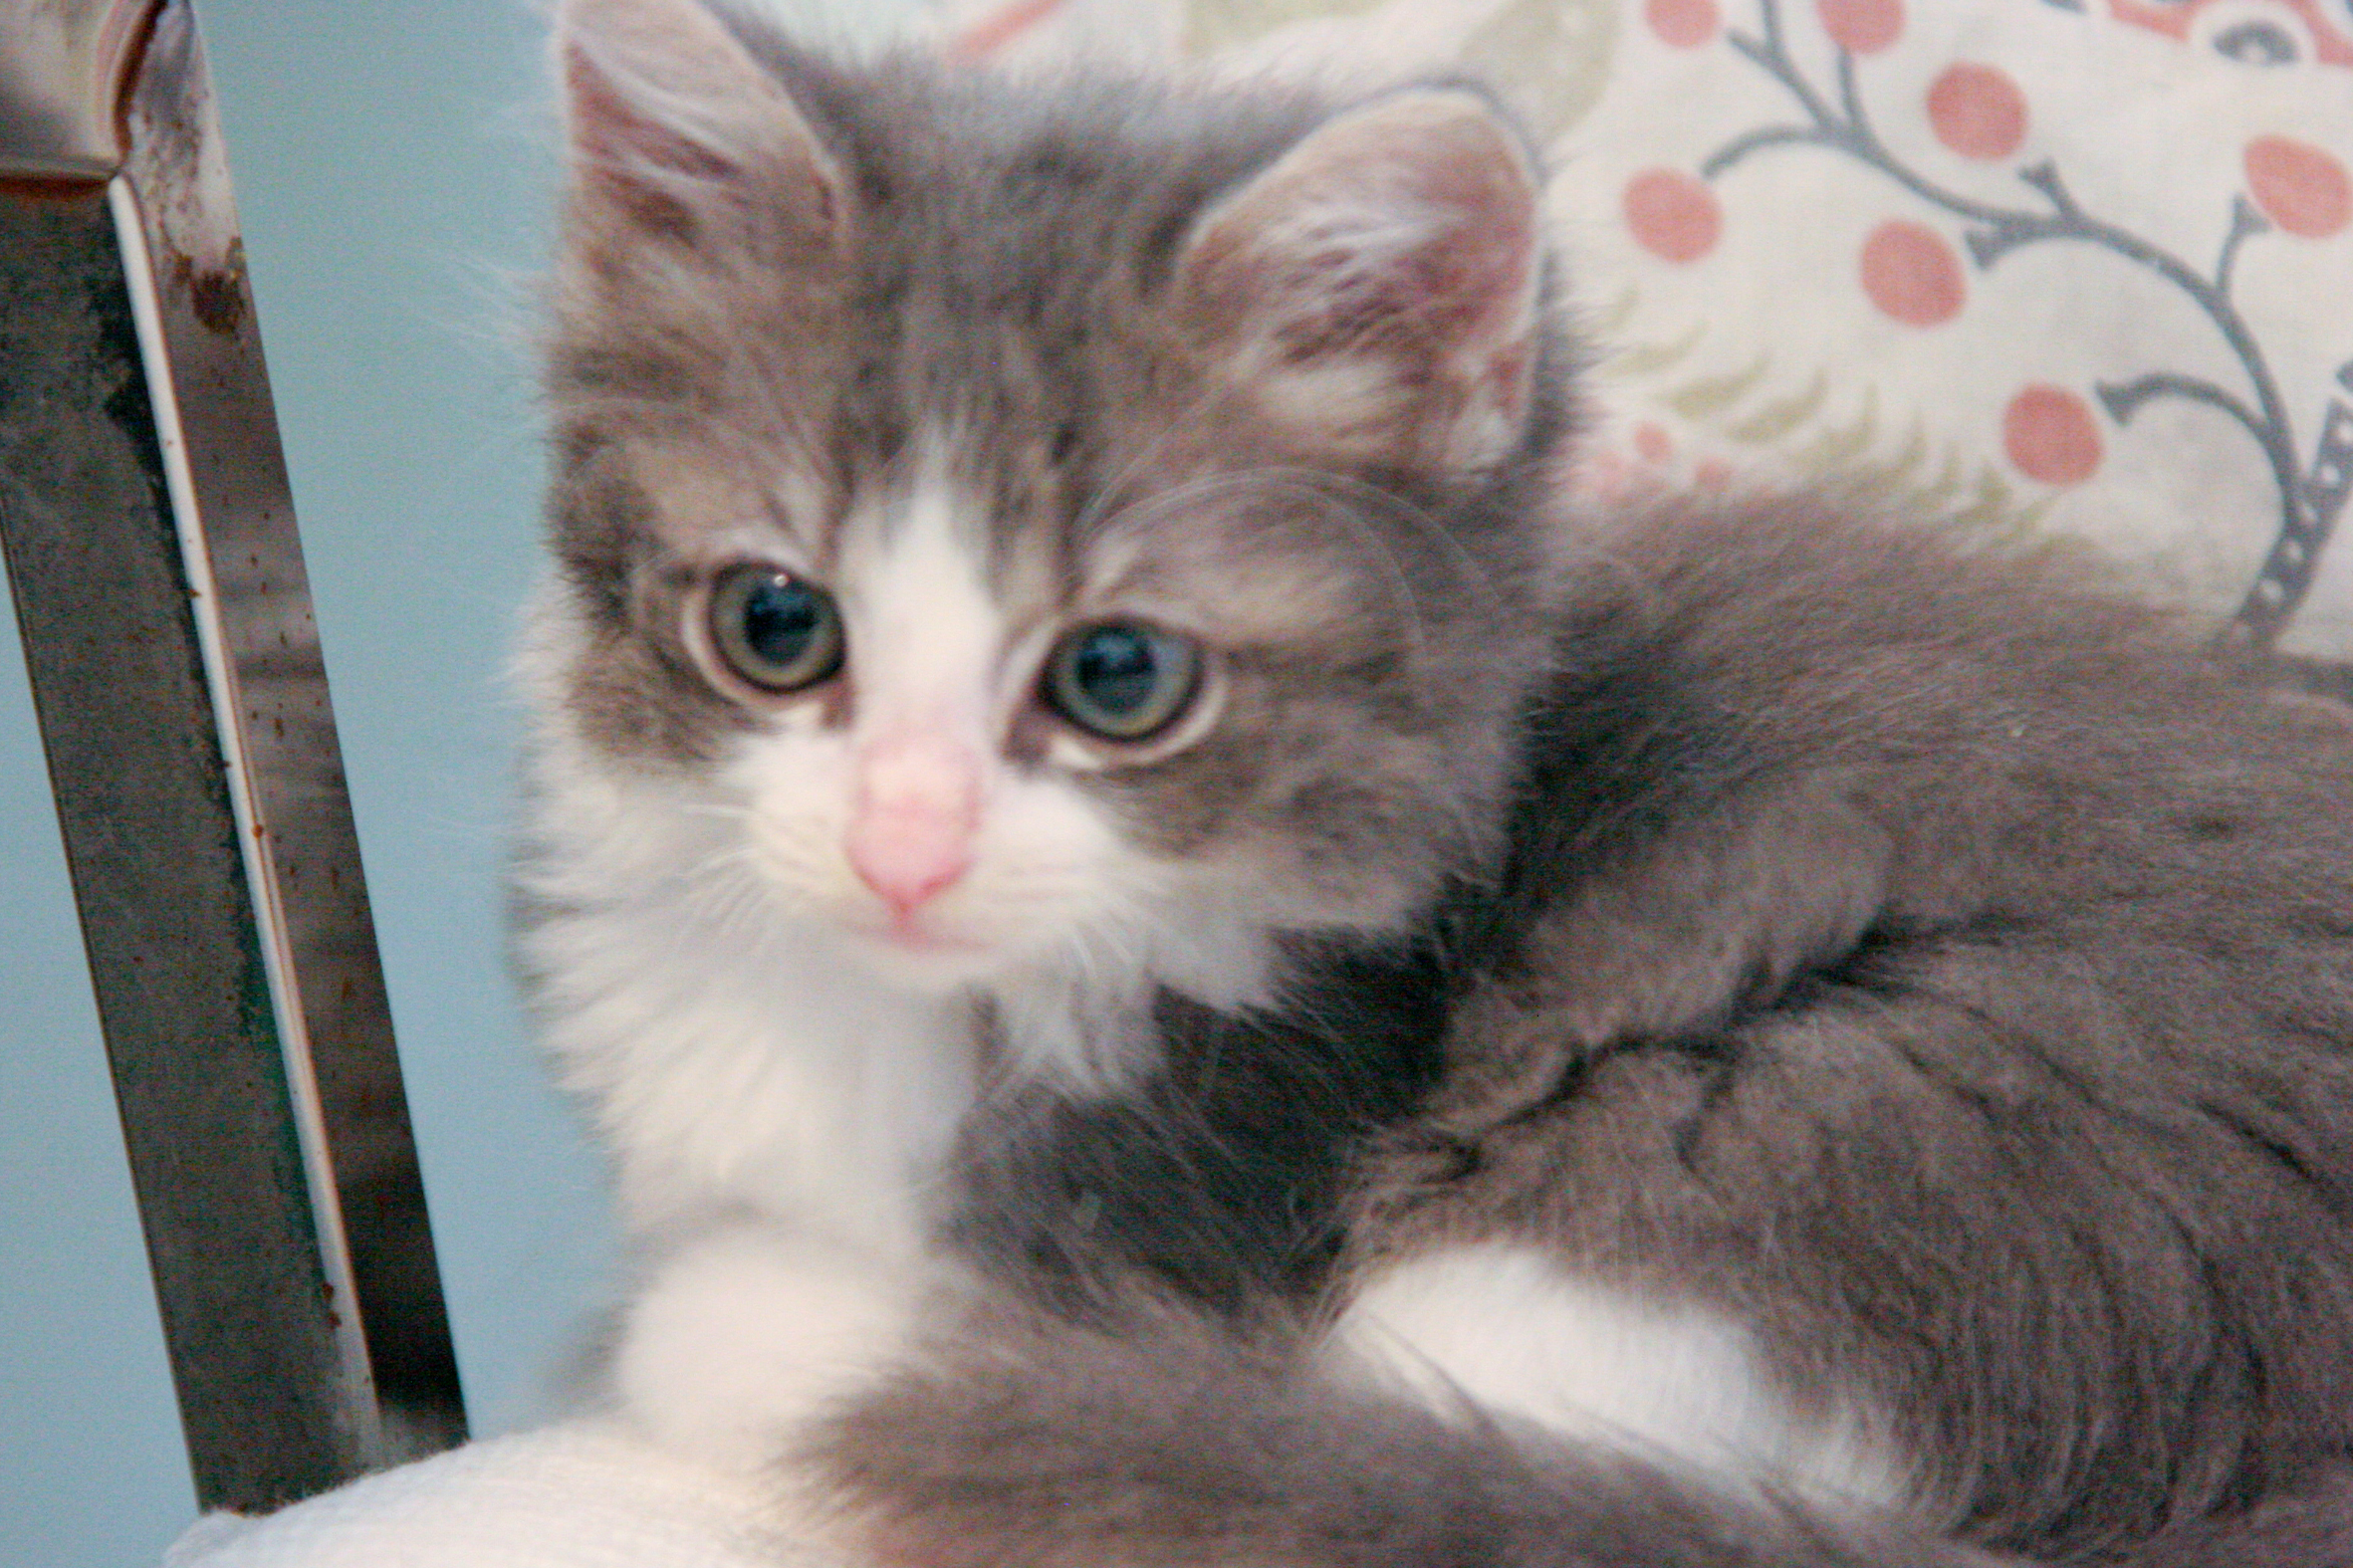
x,y
748,1330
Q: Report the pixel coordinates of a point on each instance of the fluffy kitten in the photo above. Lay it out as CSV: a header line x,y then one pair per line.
x,y
1182,969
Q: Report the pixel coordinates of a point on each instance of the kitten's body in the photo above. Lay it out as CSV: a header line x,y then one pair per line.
x,y
1719,1035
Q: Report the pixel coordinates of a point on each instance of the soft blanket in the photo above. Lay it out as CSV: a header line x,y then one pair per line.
x,y
584,1493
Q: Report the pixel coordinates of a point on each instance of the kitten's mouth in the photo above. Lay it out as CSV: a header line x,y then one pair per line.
x,y
922,938
916,937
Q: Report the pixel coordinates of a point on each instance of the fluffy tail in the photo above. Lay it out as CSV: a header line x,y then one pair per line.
x,y
1036,1444
1026,1441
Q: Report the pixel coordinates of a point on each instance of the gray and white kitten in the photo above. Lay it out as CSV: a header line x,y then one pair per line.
x,y
1182,967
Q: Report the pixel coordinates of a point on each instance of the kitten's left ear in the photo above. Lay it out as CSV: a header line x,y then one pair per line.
x,y
672,123
1379,281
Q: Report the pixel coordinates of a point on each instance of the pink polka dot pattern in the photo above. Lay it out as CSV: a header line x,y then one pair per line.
x,y
1912,275
2049,436
1673,215
2299,187
1862,27
1978,111
1682,24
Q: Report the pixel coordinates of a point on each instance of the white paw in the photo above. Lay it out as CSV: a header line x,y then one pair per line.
x,y
745,1333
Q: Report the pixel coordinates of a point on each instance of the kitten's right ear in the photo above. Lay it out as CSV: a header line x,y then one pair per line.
x,y
671,119
1380,283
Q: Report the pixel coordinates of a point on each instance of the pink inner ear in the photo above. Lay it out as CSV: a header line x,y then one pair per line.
x,y
1409,222
1400,242
671,116
613,139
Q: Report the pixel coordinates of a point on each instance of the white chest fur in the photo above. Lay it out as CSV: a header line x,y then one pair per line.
x,y
1504,1329
775,1080
747,1331
779,1119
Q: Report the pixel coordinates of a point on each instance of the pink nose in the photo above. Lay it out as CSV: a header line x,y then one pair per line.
x,y
910,830
907,857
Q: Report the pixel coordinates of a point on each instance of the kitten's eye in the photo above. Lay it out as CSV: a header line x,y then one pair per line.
x,y
1122,679
775,630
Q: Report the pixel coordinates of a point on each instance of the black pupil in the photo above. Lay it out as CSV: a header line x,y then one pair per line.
x,y
781,618
1116,670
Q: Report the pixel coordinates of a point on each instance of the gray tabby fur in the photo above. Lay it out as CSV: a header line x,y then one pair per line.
x,y
1913,949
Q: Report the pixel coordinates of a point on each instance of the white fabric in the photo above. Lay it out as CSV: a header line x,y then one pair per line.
x,y
585,1493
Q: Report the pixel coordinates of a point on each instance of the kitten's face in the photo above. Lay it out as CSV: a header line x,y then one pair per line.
x,y
1079,541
